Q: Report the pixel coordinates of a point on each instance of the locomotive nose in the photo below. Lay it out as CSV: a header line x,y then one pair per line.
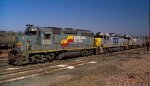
x,y
15,57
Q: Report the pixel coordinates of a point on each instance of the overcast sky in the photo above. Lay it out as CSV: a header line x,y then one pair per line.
x,y
120,16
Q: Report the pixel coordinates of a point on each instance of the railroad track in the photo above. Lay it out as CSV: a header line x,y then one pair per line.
x,y
3,62
18,73
16,69
35,66
36,72
3,57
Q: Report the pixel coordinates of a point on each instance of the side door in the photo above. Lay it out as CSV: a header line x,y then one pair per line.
x,y
106,41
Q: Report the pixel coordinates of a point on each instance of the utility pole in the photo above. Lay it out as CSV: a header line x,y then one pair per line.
x,y
149,18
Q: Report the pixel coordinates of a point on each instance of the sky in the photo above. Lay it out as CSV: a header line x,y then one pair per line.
x,y
119,16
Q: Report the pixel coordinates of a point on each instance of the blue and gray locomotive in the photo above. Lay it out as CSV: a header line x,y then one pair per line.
x,y
44,44
41,44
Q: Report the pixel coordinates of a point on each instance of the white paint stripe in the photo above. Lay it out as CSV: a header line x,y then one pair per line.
x,y
61,65
24,72
16,79
34,75
12,68
70,67
53,66
92,62
77,60
19,78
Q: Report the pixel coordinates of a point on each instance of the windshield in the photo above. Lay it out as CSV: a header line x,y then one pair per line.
x,y
29,33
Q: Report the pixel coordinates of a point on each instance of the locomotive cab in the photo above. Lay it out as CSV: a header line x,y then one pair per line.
x,y
23,46
31,36
24,43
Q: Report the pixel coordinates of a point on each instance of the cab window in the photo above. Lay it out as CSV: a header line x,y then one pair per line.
x,y
106,37
30,33
47,36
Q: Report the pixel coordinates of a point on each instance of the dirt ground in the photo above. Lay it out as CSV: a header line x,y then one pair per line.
x,y
127,69
3,53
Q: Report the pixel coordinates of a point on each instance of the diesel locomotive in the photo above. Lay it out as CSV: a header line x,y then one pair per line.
x,y
41,44
45,44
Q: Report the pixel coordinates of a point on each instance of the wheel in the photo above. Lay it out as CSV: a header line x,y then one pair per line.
x,y
43,58
91,52
19,61
106,51
50,57
10,60
84,53
32,59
